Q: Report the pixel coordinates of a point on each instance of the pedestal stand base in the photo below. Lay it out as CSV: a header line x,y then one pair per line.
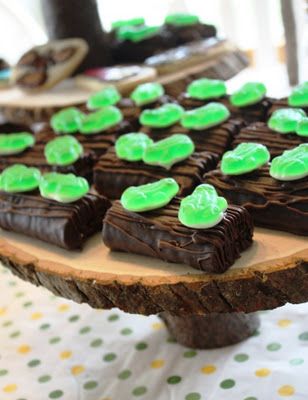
x,y
212,330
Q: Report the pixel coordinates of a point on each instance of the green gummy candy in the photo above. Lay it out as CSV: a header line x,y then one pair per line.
x,y
101,120
291,165
182,19
19,178
205,117
131,146
66,120
63,188
128,22
106,97
162,117
246,157
285,120
150,196
14,143
248,94
64,150
203,208
204,89
299,96
147,93
169,151
136,33
302,127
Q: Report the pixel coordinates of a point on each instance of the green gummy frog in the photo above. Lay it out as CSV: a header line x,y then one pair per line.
x,y
169,151
150,196
63,188
204,89
128,22
291,165
162,117
302,127
109,96
250,93
14,143
66,120
19,178
64,150
203,208
136,33
246,157
285,120
182,19
100,120
131,146
299,96
147,93
205,117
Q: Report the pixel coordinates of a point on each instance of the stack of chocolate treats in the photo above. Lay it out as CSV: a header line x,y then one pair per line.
x,y
180,179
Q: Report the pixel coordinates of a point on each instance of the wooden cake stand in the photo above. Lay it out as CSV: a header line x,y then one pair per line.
x,y
200,310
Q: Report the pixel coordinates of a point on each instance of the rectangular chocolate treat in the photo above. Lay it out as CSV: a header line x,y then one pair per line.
x,y
273,204
159,234
216,139
282,103
276,142
113,175
64,225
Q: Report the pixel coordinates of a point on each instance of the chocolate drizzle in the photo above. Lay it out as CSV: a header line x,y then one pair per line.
x,y
283,103
159,234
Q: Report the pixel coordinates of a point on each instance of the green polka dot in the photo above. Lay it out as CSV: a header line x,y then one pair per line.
x,y
96,343
44,378
56,394
7,323
19,294
303,336
141,346
273,346
125,374
189,354
109,357
297,361
250,398
3,372
241,357
15,334
43,327
27,304
174,379
55,340
12,283
84,330
113,317
227,384
90,385
139,391
74,318
193,396
256,333
34,363
171,340
126,331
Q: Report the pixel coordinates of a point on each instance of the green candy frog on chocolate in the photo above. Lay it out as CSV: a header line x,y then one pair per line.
x,y
162,117
150,196
62,151
128,22
136,33
299,96
203,208
19,178
15,143
108,96
291,165
181,19
250,93
286,120
302,127
246,157
147,93
66,120
205,89
131,146
205,117
101,120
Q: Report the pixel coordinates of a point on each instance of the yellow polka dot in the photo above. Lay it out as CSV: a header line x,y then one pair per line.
x,y
77,369
208,369
157,325
10,388
24,349
286,390
36,315
65,355
2,311
263,372
283,323
157,363
63,307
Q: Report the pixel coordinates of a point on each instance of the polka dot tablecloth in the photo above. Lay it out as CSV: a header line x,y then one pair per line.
x,y
52,348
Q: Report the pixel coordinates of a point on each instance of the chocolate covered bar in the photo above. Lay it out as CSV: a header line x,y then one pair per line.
x,y
113,175
275,204
158,233
277,104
